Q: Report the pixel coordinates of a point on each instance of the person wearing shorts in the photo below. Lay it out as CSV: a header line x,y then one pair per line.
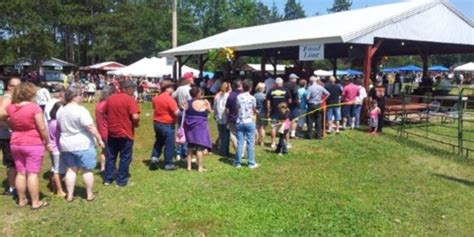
x,y
28,141
333,111
5,136
349,95
76,142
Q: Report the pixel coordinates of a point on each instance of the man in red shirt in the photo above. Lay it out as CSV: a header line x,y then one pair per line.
x,y
122,113
165,112
349,94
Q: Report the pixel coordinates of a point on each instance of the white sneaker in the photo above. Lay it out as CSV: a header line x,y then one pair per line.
x,y
289,146
253,166
170,167
273,146
178,158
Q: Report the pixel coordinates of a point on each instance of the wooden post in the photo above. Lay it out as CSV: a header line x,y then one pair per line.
x,y
201,66
334,66
263,62
179,68
424,58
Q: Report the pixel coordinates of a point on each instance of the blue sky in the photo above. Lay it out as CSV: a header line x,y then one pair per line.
x,y
313,6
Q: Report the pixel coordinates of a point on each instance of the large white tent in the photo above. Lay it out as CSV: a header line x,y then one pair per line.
x,y
434,21
468,67
151,67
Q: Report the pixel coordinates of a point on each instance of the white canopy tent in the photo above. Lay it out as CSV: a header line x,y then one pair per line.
x,y
435,21
280,68
151,67
468,67
323,73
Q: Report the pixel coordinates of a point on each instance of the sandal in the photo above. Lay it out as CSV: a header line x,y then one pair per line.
x,y
90,199
43,205
24,205
70,200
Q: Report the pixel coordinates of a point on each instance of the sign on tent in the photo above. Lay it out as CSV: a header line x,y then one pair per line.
x,y
311,52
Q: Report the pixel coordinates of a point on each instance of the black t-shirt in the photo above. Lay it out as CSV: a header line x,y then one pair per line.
x,y
335,96
378,93
276,96
293,89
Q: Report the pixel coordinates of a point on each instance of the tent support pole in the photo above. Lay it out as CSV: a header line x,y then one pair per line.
x,y
201,66
334,66
180,64
263,62
424,58
186,60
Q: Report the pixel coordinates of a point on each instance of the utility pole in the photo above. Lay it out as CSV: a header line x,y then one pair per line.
x,y
175,24
175,37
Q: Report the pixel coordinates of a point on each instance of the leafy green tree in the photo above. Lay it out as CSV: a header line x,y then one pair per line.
x,y
293,10
275,15
340,5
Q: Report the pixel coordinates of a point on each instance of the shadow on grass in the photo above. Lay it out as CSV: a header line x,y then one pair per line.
x,y
461,181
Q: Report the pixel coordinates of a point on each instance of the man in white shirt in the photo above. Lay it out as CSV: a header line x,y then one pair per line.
x,y
42,95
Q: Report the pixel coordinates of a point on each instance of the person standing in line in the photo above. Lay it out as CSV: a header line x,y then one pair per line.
x,y
261,112
314,97
269,83
91,88
182,96
284,126
232,111
278,94
57,96
292,87
245,125
302,106
101,121
333,111
57,167
77,144
28,141
349,95
42,95
377,94
165,115
5,136
359,102
220,115
122,113
196,127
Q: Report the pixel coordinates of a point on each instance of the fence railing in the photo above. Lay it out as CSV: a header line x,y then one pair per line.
x,y
443,119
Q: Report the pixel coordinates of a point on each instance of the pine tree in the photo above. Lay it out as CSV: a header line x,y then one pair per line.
x,y
293,10
340,5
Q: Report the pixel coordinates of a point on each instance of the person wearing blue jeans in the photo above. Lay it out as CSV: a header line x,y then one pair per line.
x,y
245,125
164,137
357,110
245,135
124,146
224,139
165,111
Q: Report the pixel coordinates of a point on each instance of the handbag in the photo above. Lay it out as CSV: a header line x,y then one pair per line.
x,y
180,135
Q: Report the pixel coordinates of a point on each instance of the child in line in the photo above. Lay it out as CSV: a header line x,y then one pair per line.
x,y
374,112
56,166
283,117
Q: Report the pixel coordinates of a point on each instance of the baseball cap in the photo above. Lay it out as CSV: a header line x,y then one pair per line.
x,y
293,76
188,75
127,84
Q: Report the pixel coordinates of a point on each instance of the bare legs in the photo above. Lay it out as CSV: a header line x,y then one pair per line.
x,y
261,135
199,159
57,186
30,181
70,180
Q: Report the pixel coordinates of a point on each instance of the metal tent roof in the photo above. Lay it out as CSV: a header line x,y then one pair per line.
x,y
417,20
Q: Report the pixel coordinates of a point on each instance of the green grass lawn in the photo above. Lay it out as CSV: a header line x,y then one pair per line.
x,y
351,184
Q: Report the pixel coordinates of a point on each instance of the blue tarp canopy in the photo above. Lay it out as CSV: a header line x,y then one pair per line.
x,y
390,70
353,72
208,74
438,68
410,68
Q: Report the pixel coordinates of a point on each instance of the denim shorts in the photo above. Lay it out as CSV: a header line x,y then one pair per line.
x,y
348,111
333,112
85,159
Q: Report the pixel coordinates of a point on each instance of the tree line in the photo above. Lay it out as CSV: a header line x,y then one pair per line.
x,y
90,31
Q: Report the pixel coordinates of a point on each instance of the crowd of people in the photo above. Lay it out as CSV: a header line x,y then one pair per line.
x,y
35,121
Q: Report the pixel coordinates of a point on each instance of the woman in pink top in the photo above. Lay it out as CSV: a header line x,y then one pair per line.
x,y
101,121
374,112
28,142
